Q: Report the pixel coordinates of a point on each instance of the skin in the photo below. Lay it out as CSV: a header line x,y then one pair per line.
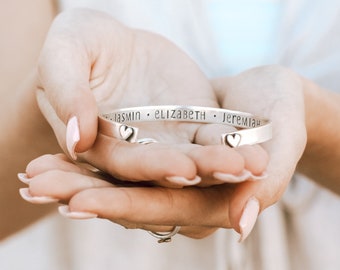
x,y
217,206
178,81
226,201
26,118
219,199
321,157
150,70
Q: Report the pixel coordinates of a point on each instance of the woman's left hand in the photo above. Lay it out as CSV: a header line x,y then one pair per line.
x,y
55,178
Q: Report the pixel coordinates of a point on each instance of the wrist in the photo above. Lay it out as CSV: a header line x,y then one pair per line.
x,y
322,152
322,113
312,119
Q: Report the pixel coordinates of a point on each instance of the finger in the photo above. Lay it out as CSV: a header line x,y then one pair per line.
x,y
250,198
255,157
212,161
77,133
64,71
208,134
59,128
50,162
157,206
137,162
47,184
177,164
57,185
196,232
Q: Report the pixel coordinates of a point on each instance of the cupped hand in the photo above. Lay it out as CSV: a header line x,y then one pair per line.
x,y
199,211
275,93
55,178
272,92
90,63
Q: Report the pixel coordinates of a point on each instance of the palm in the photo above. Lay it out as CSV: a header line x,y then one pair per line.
x,y
104,65
153,71
274,93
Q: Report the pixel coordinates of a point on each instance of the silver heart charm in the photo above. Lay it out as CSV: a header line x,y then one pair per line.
x,y
126,132
233,140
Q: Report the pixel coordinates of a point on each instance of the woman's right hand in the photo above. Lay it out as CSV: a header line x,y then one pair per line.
x,y
91,63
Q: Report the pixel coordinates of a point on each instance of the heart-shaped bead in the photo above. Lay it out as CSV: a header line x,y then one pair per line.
x,y
233,140
126,132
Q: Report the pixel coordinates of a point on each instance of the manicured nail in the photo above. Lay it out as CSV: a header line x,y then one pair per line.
x,y
72,136
248,218
64,210
245,175
180,180
25,194
260,177
23,178
231,178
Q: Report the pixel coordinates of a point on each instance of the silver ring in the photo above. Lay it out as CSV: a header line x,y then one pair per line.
x,y
253,129
146,141
162,237
166,236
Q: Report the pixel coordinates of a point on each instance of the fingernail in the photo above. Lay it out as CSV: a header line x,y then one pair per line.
x,y
23,178
180,180
25,194
258,177
72,136
231,178
64,210
245,175
248,218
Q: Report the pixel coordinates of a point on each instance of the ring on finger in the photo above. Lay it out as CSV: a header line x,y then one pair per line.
x,y
165,237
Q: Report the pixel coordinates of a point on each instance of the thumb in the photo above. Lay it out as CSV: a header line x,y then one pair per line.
x,y
64,71
245,206
251,197
81,128
65,79
70,136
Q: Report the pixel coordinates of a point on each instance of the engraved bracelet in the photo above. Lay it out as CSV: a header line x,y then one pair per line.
x,y
253,129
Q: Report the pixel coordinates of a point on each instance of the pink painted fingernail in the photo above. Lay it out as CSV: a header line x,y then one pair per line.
x,y
248,218
72,136
231,178
26,195
180,180
23,178
64,210
245,175
260,177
